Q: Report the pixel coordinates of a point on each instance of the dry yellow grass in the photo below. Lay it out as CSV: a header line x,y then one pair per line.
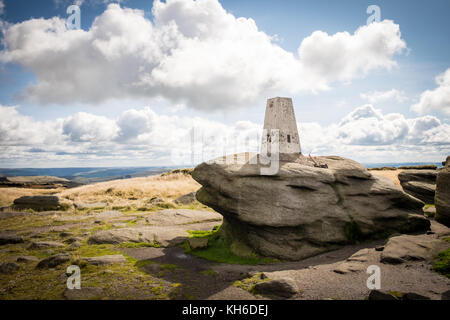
x,y
136,192
7,195
391,174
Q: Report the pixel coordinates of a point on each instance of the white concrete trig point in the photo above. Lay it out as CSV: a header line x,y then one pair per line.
x,y
280,115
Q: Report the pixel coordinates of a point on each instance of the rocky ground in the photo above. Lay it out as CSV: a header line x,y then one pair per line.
x,y
176,253
142,255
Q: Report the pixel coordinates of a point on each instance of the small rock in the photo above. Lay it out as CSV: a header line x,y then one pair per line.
x,y
284,288
54,261
198,243
27,259
186,199
155,200
85,293
73,239
379,295
9,268
75,245
102,260
65,234
45,244
349,266
10,239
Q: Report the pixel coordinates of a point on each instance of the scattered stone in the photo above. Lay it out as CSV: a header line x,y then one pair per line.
x,y
284,288
156,200
65,234
27,259
198,243
54,261
38,203
303,210
411,248
45,244
94,205
85,293
73,239
10,239
348,267
442,199
379,295
186,199
75,245
102,260
9,268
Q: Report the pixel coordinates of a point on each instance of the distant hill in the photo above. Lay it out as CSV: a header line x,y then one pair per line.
x,y
85,175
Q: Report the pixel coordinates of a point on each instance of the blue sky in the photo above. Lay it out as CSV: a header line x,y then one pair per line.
x,y
372,82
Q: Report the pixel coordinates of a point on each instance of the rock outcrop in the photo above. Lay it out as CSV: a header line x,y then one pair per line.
x,y
419,183
303,210
39,203
442,198
411,248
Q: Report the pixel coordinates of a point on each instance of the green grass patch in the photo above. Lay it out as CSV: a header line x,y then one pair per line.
x,y
210,273
248,284
397,294
153,244
219,250
442,263
203,233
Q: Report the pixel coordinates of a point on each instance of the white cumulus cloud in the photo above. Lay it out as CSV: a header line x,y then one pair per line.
x,y
195,53
437,99
375,97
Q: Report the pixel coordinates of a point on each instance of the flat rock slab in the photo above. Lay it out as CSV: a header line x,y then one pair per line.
x,y
95,205
165,236
85,293
103,260
109,214
10,239
45,245
348,267
27,259
172,217
54,261
411,248
9,268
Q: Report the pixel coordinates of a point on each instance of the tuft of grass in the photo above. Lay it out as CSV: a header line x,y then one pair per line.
x,y
153,244
203,233
397,294
248,284
219,250
210,273
442,263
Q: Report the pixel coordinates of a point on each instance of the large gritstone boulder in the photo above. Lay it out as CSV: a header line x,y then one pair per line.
x,y
419,183
303,210
442,199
